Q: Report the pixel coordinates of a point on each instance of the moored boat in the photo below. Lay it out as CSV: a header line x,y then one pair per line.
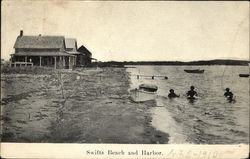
x,y
194,71
244,75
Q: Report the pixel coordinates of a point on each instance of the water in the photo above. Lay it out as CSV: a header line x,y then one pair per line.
x,y
209,120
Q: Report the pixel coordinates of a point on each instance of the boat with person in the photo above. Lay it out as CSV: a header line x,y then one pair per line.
x,y
146,92
194,71
244,75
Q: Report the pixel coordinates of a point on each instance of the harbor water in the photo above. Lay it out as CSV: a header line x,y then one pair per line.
x,y
210,119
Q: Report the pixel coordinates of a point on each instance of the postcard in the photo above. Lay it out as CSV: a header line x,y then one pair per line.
x,y
125,79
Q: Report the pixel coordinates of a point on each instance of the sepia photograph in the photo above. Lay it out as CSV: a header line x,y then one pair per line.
x,y
125,72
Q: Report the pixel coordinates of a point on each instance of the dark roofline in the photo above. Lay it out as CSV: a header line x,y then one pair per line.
x,y
82,46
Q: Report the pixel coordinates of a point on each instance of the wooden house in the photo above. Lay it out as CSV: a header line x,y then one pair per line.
x,y
87,56
43,51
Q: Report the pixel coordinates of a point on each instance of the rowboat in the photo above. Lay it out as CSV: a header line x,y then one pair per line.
x,y
244,75
194,71
148,87
144,93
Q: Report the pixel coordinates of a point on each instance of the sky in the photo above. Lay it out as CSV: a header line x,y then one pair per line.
x,y
135,31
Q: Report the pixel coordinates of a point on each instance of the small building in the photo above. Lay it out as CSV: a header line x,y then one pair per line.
x,y
43,51
86,57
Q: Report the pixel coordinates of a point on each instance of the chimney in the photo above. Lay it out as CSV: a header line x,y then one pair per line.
x,y
21,32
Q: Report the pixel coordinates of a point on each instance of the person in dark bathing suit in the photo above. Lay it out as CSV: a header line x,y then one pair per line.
x,y
172,94
191,93
229,95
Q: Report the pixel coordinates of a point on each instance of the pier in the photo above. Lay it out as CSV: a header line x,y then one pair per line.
x,y
152,76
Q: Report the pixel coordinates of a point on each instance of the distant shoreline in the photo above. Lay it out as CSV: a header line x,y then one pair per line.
x,y
167,63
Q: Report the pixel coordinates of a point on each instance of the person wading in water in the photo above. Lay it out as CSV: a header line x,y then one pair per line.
x,y
191,93
172,94
229,95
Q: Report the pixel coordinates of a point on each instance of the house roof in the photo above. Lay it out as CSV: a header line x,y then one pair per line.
x,y
43,54
71,43
84,50
38,42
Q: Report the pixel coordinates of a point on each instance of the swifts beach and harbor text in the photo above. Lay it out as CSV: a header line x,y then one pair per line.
x,y
122,152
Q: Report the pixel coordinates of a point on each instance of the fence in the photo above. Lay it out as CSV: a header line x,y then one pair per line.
x,y
19,64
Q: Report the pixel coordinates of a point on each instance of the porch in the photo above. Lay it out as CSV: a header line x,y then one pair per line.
x,y
58,61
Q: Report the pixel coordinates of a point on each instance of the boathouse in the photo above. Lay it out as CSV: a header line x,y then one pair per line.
x,y
43,51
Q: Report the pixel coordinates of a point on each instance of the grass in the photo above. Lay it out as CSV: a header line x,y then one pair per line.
x,y
27,70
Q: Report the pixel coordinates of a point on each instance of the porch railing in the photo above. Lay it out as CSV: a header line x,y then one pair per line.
x,y
15,64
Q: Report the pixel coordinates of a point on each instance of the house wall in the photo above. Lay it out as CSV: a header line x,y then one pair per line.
x,y
87,60
83,60
79,59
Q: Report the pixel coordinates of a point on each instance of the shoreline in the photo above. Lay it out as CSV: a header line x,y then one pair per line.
x,y
226,62
82,106
162,120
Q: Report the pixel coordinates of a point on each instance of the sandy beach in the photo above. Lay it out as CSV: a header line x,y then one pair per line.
x,y
80,106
